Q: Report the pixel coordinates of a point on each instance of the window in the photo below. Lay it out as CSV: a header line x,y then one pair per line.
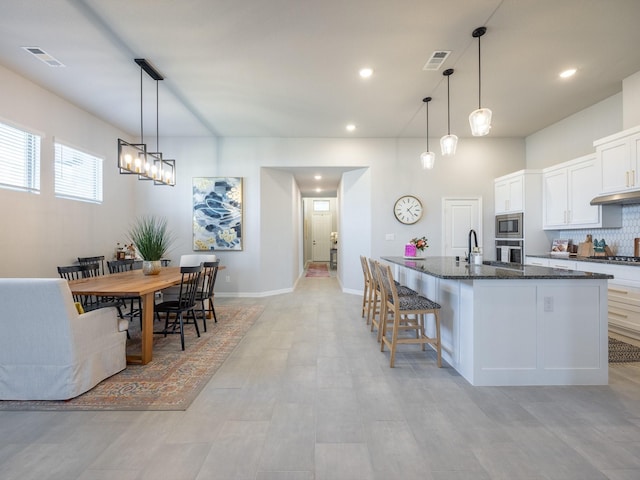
x,y
78,174
321,205
19,159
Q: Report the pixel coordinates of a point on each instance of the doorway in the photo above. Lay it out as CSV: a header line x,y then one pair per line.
x,y
459,217
320,221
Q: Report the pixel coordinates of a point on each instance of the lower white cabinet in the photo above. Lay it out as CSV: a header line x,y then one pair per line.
x,y
559,263
623,291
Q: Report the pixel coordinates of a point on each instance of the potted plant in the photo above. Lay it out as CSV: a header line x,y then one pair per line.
x,y
152,240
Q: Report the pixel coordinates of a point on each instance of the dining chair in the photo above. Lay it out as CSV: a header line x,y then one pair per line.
x,y
408,313
88,302
187,260
99,259
205,292
177,312
135,302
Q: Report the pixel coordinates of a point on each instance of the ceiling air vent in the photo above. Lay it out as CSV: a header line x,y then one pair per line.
x,y
437,58
43,56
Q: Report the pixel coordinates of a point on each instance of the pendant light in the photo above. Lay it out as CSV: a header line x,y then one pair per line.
x,y
133,158
428,158
449,142
480,119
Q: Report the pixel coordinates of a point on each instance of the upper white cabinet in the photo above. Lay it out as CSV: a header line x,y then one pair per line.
x,y
619,157
567,190
509,193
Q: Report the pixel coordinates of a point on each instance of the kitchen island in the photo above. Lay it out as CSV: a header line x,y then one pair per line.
x,y
511,324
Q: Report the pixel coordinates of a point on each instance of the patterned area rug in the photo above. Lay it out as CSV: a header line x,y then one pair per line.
x,y
173,379
317,270
620,352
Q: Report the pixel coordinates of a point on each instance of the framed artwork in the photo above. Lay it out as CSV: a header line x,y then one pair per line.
x,y
217,213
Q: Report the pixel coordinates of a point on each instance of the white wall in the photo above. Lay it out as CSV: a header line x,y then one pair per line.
x,y
40,232
394,170
574,136
631,101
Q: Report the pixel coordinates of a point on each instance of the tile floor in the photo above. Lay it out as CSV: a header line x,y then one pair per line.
x,y
308,395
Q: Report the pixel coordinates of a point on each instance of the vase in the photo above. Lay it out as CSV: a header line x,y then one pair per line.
x,y
151,267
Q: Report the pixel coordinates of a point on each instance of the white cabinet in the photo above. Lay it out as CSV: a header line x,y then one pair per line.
x,y
521,191
537,261
559,263
623,295
509,193
567,190
619,157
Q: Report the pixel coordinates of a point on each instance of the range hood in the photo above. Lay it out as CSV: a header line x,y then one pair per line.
x,y
624,198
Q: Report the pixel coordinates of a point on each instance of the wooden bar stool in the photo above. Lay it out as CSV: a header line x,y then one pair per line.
x,y
376,296
402,308
367,293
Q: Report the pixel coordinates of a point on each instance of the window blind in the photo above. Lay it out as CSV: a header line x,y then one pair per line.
x,y
19,159
78,175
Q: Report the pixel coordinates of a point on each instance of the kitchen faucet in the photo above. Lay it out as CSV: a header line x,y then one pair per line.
x,y
475,239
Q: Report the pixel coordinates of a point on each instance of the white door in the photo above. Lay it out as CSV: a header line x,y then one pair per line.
x,y
320,237
460,216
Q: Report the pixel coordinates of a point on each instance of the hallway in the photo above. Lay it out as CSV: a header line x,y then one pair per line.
x,y
308,395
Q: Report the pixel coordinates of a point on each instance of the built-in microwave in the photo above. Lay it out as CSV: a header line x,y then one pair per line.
x,y
509,225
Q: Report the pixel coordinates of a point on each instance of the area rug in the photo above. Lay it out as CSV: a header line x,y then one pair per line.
x,y
620,352
317,270
173,379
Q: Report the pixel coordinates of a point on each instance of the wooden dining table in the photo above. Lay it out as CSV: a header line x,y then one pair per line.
x,y
131,284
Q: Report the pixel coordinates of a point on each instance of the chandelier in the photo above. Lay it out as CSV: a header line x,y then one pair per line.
x,y
133,158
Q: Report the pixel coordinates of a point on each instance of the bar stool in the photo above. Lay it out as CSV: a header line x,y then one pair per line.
x,y
367,293
377,295
402,308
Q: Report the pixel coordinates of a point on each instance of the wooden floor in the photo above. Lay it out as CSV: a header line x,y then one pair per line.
x,y
308,395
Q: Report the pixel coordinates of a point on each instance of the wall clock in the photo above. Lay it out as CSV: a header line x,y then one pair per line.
x,y
408,209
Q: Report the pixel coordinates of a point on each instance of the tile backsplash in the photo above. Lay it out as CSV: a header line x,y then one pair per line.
x,y
620,240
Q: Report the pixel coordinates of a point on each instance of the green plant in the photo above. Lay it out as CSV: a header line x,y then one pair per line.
x,y
151,237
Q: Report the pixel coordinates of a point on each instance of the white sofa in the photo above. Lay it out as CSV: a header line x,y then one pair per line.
x,y
47,350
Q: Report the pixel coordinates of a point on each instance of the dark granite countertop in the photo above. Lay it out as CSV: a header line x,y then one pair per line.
x,y
585,259
447,267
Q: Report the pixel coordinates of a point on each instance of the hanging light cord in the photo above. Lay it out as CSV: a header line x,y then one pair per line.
x,y
141,122
479,76
448,109
427,110
157,121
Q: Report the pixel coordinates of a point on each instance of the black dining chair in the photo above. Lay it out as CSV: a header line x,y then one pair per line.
x,y
177,312
89,302
205,293
99,259
135,303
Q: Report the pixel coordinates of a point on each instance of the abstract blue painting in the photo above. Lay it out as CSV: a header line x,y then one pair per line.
x,y
217,213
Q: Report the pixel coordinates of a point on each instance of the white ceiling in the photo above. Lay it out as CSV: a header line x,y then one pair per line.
x,y
289,68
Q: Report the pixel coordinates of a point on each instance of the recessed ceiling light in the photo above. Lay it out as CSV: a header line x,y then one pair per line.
x,y
351,127
318,190
366,72
318,177
568,73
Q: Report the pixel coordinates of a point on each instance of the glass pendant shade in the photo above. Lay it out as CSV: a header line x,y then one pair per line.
x,y
480,122
448,145
428,160
480,119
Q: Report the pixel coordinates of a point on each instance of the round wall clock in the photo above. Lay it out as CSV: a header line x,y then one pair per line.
x,y
408,209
